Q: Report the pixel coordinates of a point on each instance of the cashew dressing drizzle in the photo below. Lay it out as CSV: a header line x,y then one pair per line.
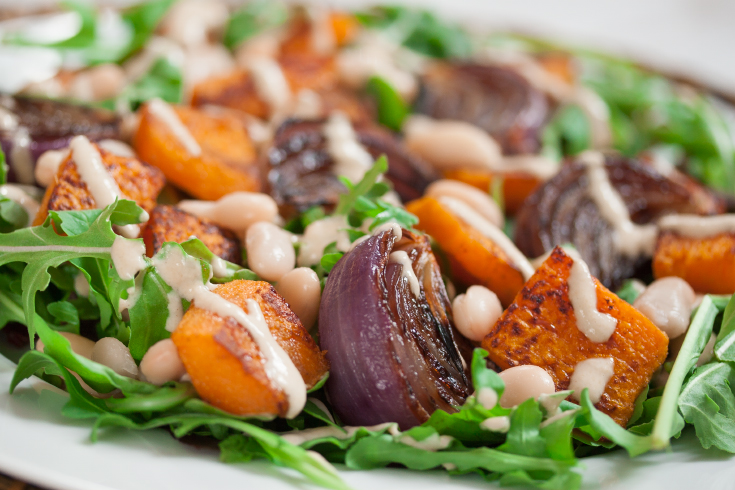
x,y
165,114
183,274
596,326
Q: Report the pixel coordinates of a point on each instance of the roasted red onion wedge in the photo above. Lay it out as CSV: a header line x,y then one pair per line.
x,y
562,211
395,357
36,125
300,166
495,98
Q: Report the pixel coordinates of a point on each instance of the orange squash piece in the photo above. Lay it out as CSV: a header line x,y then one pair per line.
x,y
475,258
517,186
227,162
171,224
540,328
707,264
224,362
138,182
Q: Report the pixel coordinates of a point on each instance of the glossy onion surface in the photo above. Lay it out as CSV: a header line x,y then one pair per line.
x,y
300,167
495,98
394,357
561,211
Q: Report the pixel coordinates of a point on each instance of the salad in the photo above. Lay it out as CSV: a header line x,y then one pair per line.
x,y
366,238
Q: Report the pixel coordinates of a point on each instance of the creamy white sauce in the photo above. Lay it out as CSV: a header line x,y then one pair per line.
x,y
47,166
394,228
496,424
17,194
596,326
8,120
318,235
175,310
236,211
351,159
128,257
21,159
165,113
448,144
487,397
475,220
219,268
270,82
299,437
434,442
593,374
183,274
407,273
693,226
101,185
631,240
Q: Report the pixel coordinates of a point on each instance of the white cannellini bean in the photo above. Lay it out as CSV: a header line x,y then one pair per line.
x,y
79,345
162,363
668,302
451,144
47,166
524,382
117,147
473,197
98,83
302,291
270,250
189,22
476,311
115,355
236,211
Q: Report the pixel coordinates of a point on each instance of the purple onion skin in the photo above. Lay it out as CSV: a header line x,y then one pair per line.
x,y
52,124
374,377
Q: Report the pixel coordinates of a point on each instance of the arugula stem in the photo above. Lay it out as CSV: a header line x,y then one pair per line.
x,y
696,338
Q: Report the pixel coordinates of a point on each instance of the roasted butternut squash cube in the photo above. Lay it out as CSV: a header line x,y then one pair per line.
x,y
171,224
540,328
475,258
138,182
707,264
225,363
517,186
226,163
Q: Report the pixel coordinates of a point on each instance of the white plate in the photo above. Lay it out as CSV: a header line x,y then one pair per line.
x,y
38,445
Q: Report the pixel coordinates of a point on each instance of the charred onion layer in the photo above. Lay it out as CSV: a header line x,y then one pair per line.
x,y
300,167
561,211
394,357
496,99
51,124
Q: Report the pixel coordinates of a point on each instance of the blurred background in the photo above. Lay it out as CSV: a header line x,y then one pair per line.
x,y
689,37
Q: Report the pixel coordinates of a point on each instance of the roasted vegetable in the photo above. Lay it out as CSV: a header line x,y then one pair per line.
x,y
495,98
562,211
224,362
707,264
540,328
227,162
516,186
393,350
171,224
301,174
49,126
475,258
138,181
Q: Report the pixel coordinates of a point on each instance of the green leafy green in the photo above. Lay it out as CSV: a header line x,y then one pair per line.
x,y
3,168
392,109
147,318
568,133
13,216
629,291
163,80
725,345
419,30
143,19
252,18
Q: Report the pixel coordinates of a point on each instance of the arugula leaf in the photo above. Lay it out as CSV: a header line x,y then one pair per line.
x,y
13,216
86,35
252,18
143,19
628,292
392,109
725,345
524,436
568,133
3,168
65,313
163,80
696,338
149,314
419,30
707,401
